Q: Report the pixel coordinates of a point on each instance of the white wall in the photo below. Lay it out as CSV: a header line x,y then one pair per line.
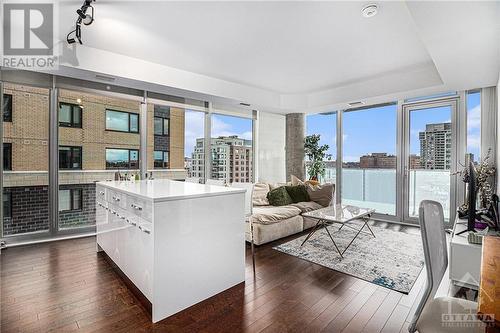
x,y
271,148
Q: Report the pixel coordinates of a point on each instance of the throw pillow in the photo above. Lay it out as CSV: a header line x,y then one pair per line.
x,y
279,197
298,193
260,191
322,194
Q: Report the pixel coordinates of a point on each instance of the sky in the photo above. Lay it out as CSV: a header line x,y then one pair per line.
x,y
373,130
221,126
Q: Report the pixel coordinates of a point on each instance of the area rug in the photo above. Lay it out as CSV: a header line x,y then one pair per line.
x,y
392,259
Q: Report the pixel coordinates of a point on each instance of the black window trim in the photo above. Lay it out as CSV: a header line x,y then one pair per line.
x,y
9,200
71,201
162,126
163,158
11,105
9,166
129,115
71,124
129,150
72,157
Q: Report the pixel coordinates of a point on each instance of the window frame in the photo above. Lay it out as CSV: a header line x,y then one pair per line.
x,y
72,123
167,133
80,148
9,164
129,122
71,200
7,213
129,152
8,105
163,159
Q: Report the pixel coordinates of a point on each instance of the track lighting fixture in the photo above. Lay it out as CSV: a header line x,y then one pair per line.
x,y
83,17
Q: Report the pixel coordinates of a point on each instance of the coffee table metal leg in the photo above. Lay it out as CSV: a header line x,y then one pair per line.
x,y
335,244
366,220
313,230
352,240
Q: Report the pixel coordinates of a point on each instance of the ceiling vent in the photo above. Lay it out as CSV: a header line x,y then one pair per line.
x,y
105,78
244,104
369,10
352,104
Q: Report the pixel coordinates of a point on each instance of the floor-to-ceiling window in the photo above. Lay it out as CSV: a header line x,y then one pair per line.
x,y
194,144
369,158
98,136
26,161
474,124
231,149
325,125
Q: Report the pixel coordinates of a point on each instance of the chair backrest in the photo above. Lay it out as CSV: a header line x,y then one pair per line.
x,y
193,180
431,219
248,195
219,182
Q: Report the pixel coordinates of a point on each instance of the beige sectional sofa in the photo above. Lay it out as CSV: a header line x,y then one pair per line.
x,y
274,222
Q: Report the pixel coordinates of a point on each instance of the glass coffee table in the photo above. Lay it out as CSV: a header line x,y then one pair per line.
x,y
343,215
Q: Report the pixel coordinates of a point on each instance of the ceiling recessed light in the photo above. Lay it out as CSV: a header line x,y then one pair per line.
x,y
369,10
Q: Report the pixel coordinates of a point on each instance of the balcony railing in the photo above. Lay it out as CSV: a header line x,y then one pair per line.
x,y
376,188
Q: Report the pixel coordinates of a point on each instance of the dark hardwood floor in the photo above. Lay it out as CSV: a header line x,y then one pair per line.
x,y
66,286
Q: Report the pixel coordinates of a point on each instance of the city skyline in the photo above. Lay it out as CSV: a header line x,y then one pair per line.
x,y
357,124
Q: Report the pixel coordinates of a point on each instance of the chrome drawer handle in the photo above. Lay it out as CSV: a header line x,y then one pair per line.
x,y
113,212
136,207
144,229
116,199
122,217
101,192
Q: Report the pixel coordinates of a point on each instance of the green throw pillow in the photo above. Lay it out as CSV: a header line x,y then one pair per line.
x,y
298,193
279,197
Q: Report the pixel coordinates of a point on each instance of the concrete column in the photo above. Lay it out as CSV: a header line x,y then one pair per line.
x,y
295,132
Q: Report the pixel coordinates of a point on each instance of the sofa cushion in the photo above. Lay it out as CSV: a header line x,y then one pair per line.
x,y
273,214
298,193
260,191
322,194
307,206
279,197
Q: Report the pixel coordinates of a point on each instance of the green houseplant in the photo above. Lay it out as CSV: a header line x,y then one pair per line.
x,y
316,156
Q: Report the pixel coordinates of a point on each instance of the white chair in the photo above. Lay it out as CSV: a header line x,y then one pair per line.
x,y
192,180
218,182
248,212
429,313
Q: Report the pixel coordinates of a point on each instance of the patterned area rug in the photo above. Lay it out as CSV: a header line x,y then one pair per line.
x,y
393,259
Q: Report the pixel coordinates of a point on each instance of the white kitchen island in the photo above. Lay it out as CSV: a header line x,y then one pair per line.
x,y
178,243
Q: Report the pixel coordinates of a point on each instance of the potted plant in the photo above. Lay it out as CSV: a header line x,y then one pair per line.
x,y
316,156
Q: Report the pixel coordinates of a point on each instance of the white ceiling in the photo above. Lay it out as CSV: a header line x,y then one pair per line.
x,y
298,56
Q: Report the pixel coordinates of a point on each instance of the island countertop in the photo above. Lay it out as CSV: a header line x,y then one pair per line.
x,y
165,190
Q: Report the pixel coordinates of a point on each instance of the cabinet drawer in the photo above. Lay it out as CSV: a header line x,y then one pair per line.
x,y
117,198
100,194
140,207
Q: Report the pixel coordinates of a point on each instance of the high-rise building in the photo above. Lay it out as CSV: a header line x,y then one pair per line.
x,y
378,161
435,146
231,159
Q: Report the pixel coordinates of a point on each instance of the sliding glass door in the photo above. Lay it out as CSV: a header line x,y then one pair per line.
x,y
430,156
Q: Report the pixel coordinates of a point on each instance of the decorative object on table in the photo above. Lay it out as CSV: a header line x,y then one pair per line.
x,y
392,259
477,237
316,156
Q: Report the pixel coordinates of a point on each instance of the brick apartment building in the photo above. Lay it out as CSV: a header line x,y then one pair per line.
x,y
98,135
385,161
